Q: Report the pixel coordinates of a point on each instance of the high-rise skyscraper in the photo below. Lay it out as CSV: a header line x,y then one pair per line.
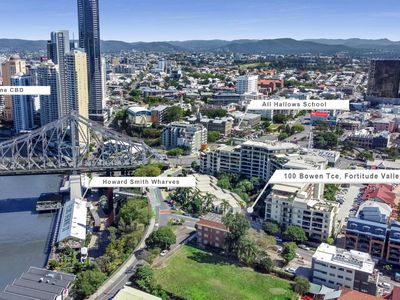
x,y
22,105
57,47
384,81
77,86
48,75
89,39
13,66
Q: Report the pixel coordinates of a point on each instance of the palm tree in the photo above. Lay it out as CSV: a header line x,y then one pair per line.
x,y
247,251
225,206
208,201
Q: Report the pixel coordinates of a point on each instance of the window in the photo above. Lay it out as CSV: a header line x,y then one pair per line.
x,y
331,274
341,269
340,276
348,279
349,271
332,267
217,238
205,229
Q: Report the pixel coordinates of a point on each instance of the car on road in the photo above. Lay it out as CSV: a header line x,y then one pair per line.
x,y
290,270
384,285
164,252
304,247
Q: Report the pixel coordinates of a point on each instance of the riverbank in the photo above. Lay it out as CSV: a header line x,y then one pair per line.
x,y
26,239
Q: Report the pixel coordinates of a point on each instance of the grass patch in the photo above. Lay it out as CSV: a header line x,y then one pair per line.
x,y
250,66
274,127
195,274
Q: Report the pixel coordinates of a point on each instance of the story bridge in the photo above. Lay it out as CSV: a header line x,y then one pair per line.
x,y
73,144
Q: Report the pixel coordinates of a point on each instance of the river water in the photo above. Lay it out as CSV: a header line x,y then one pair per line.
x,y
24,234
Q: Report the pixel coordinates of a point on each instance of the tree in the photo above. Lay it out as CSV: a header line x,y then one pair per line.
x,y
150,170
294,233
289,251
366,155
162,238
297,128
175,152
387,268
301,285
237,225
225,206
283,136
271,228
144,278
215,113
194,165
213,136
88,282
247,251
330,240
263,264
280,118
173,113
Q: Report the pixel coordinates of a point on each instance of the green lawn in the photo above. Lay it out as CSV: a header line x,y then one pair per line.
x,y
194,274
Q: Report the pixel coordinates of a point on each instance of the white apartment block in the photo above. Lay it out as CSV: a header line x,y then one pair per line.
x,y
335,268
247,84
301,205
251,159
176,134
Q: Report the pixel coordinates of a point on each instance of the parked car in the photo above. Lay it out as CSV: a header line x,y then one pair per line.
x,y
384,285
164,252
304,247
290,270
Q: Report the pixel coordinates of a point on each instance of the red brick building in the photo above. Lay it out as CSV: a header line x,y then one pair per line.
x,y
268,86
211,231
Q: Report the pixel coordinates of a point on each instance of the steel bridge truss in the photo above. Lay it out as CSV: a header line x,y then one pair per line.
x,y
70,144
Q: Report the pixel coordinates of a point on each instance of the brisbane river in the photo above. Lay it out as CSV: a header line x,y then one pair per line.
x,y
24,234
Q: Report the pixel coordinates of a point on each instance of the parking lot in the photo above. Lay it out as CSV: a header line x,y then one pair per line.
x,y
349,201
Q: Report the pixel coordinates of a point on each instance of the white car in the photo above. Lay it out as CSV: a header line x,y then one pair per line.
x,y
385,285
304,247
290,270
164,252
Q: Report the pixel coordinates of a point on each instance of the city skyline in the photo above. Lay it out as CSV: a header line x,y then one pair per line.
x,y
180,20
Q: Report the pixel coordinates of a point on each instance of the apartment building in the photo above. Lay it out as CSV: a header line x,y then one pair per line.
x,y
222,125
301,205
211,231
368,229
247,84
367,140
383,124
336,268
191,136
251,159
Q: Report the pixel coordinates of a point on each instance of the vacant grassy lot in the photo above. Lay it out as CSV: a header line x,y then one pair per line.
x,y
196,275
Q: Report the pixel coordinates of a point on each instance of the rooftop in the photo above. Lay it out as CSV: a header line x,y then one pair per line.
x,y
349,259
38,283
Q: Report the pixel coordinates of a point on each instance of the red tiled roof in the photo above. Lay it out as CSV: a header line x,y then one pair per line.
x,y
208,223
382,192
348,294
319,114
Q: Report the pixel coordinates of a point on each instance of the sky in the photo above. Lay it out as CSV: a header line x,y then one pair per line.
x,y
166,20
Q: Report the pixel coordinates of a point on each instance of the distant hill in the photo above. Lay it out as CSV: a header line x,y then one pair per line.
x,y
18,45
357,43
282,46
276,46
